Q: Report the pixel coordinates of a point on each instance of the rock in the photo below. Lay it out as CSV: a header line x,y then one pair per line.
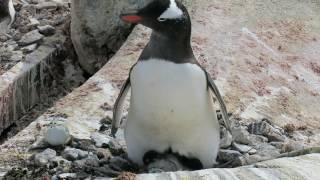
x,y
46,5
267,150
290,145
226,138
17,36
265,128
100,140
247,160
40,143
43,158
17,56
30,38
228,155
57,134
73,154
33,23
244,148
103,153
241,135
60,161
12,45
120,164
62,164
299,136
116,148
4,38
94,42
83,144
29,49
91,161
67,175
46,30
278,145
257,139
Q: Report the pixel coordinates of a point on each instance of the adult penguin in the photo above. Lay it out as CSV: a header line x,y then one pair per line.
x,y
171,105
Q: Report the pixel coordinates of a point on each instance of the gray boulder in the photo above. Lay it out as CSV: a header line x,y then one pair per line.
x,y
97,31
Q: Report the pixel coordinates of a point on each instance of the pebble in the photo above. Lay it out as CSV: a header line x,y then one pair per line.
x,y
265,128
103,153
91,160
57,134
226,155
29,49
116,148
241,135
246,159
43,158
3,38
100,140
226,138
244,148
46,5
30,38
17,36
73,154
278,145
267,150
67,175
60,161
120,164
289,146
257,139
17,56
33,23
46,30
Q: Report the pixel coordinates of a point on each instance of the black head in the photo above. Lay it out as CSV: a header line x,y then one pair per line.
x,y
168,18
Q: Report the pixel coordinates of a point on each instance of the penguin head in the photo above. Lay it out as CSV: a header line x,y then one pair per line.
x,y
168,18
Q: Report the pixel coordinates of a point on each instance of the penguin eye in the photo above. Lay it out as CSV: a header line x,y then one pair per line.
x,y
160,19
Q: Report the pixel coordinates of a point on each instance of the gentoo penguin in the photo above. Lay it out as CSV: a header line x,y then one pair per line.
x,y
171,105
7,10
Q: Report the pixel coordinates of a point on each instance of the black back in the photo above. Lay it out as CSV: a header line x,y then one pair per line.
x,y
4,10
170,39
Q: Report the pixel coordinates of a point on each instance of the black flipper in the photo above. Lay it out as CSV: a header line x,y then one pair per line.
x,y
118,107
223,107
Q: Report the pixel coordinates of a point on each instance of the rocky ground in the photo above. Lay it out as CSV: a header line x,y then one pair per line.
x,y
34,22
39,22
104,156
270,85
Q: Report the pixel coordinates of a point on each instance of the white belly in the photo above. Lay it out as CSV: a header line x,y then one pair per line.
x,y
171,107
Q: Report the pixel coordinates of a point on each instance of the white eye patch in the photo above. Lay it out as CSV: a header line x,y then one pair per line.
x,y
172,12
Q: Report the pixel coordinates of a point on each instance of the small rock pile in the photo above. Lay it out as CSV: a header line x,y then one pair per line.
x,y
101,156
255,142
105,156
35,21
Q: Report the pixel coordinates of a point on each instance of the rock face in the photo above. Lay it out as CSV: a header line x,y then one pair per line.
x,y
285,168
97,31
30,38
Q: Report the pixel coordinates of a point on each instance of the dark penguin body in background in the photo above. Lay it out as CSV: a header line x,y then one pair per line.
x,y
171,106
7,10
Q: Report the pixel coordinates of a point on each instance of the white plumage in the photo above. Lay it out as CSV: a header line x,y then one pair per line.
x,y
171,107
12,12
172,12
